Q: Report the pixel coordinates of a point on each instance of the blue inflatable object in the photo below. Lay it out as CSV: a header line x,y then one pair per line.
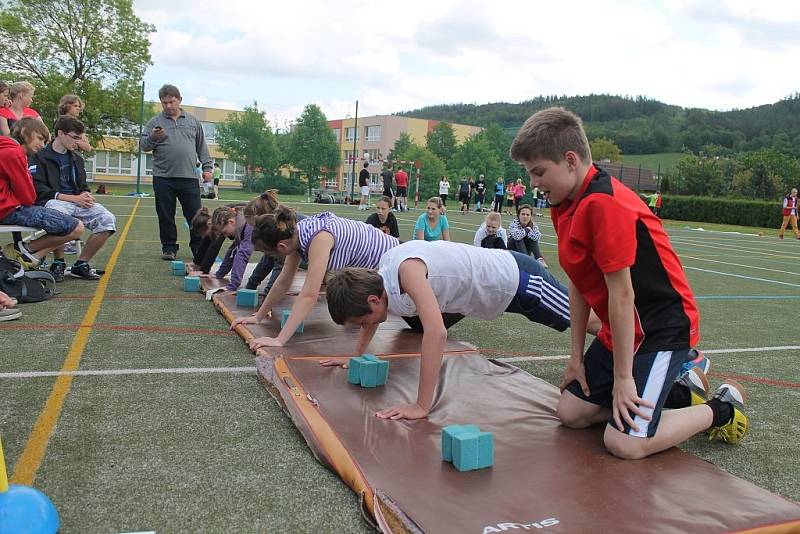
x,y
25,510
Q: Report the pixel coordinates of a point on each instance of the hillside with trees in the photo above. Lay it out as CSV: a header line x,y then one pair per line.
x,y
639,125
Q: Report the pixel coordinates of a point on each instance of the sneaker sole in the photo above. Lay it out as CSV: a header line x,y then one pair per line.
x,y
739,387
11,317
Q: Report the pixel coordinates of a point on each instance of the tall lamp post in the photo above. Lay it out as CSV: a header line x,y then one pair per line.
x,y
353,158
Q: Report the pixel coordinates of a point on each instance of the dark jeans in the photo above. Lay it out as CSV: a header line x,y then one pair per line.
x,y
167,191
525,246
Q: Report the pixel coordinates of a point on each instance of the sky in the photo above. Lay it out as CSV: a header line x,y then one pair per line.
x,y
398,56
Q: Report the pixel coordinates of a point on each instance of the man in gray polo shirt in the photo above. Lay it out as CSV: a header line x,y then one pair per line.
x,y
177,141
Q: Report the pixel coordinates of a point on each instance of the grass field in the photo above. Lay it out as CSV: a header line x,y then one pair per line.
x,y
165,427
667,160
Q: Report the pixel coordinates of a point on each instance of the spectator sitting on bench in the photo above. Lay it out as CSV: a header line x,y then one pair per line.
x,y
60,179
17,196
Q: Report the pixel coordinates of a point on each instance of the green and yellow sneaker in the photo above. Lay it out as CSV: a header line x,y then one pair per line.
x,y
734,431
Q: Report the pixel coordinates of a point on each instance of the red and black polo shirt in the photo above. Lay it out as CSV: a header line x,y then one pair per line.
x,y
607,227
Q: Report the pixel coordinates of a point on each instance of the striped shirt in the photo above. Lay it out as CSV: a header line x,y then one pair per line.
x,y
355,244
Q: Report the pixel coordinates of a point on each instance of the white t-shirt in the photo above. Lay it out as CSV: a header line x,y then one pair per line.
x,y
444,187
475,282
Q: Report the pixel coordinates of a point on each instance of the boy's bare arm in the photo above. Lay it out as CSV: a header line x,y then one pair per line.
x,y
620,312
413,279
579,317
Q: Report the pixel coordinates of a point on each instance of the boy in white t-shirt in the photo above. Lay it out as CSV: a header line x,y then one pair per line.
x,y
427,279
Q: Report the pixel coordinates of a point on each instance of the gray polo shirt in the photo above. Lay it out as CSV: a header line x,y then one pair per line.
x,y
176,155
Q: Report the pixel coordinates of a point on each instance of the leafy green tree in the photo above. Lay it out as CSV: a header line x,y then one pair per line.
x,y
313,148
401,146
701,176
605,149
500,142
474,157
97,49
441,140
247,137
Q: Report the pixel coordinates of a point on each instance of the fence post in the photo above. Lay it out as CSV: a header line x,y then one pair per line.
x,y
639,179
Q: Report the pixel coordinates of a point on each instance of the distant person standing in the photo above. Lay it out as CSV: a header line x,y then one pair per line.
x,y
388,187
177,141
363,184
480,193
216,175
401,179
444,189
790,213
499,194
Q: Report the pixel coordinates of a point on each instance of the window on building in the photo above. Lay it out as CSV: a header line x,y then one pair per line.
x,y
372,133
331,181
231,170
349,133
209,131
88,164
375,181
112,162
374,155
148,165
337,132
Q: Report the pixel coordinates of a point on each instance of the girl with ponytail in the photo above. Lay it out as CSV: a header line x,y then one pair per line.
x,y
326,242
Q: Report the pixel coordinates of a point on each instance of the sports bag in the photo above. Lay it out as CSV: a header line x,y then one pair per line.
x,y
30,286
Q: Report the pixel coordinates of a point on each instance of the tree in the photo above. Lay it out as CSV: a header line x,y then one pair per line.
x,y
605,149
313,147
431,167
475,157
441,140
500,143
401,146
97,49
247,137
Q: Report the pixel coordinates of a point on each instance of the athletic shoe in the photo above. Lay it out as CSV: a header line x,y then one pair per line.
x,y
9,314
57,270
734,431
83,271
18,253
700,361
697,383
71,248
168,255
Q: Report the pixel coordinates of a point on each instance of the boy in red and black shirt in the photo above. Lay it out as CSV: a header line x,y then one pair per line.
x,y
621,265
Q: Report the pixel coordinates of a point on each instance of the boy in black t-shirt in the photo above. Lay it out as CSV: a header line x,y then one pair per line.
x,y
363,184
480,192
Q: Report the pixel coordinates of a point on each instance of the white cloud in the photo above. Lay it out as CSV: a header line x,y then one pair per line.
x,y
399,56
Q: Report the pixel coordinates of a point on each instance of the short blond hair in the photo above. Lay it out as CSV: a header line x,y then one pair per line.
x,y
549,134
494,217
17,88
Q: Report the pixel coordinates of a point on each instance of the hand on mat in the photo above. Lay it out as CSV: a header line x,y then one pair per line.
x,y
403,411
261,342
201,274
335,362
575,371
626,402
250,319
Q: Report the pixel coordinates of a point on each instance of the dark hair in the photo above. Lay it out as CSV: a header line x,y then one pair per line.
x,y
366,164
26,126
347,291
385,199
266,202
529,208
272,228
216,164
200,221
67,101
168,90
68,124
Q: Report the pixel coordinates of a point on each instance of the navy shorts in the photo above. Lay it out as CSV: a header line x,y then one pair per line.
x,y
653,372
540,297
51,221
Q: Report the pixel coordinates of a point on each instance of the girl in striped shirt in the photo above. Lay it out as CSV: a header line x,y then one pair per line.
x,y
327,243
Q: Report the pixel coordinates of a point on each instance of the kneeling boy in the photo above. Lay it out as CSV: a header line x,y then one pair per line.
x,y
621,265
426,279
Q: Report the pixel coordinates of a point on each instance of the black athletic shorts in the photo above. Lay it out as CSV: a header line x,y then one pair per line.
x,y
401,191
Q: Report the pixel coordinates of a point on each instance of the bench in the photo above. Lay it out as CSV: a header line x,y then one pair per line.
x,y
32,233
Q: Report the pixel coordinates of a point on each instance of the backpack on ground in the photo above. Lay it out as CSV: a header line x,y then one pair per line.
x,y
25,286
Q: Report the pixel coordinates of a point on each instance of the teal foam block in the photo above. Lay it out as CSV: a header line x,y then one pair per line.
x,y
247,298
191,283
368,373
354,370
383,368
473,450
285,317
448,433
178,268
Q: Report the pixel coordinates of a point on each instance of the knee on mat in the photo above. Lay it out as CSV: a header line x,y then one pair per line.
x,y
625,446
570,418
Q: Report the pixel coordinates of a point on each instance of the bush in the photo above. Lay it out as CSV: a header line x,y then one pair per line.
x,y
721,210
259,182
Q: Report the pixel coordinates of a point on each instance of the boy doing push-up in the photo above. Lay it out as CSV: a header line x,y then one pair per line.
x,y
621,265
427,279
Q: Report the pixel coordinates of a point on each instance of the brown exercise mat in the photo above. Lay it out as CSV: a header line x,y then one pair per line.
x,y
212,282
545,477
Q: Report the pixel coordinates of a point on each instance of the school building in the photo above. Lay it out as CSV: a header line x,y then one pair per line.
x,y
374,139
115,157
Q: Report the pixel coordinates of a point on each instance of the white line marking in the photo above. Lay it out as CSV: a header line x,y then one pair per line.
x,y
741,265
742,276
118,372
709,351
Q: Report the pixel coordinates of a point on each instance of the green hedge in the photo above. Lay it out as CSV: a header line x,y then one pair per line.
x,y
721,210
